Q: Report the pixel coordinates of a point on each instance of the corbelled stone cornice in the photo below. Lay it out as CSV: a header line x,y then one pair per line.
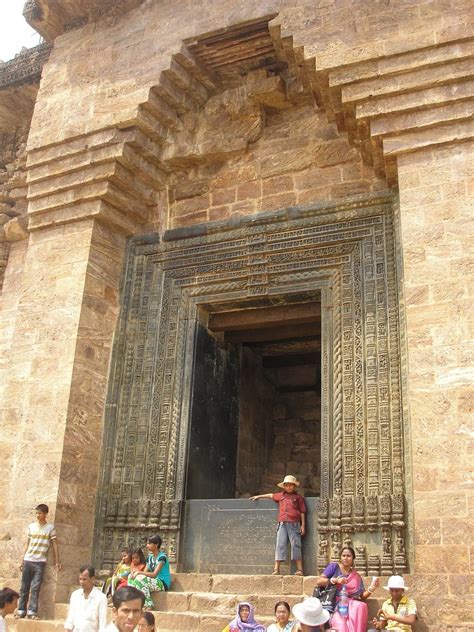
x,y
26,67
115,175
19,82
395,103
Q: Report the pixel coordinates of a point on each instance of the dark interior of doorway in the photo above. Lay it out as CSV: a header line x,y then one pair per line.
x,y
256,400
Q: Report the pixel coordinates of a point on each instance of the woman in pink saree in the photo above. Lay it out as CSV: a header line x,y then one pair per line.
x,y
342,573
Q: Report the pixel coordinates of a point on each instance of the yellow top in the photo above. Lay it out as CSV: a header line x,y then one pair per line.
x,y
406,607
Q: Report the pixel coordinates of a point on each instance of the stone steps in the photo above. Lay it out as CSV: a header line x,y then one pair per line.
x,y
206,603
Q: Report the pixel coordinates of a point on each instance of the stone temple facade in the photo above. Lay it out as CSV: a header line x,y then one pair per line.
x,y
236,240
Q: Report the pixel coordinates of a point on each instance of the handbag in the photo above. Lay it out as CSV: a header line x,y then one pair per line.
x,y
327,596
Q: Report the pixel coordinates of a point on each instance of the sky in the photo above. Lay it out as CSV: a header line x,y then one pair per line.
x,y
14,31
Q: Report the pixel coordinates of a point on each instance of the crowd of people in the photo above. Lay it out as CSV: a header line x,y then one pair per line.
x,y
398,612
129,588
339,602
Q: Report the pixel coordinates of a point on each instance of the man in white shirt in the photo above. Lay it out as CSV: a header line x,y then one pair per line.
x,y
88,605
128,605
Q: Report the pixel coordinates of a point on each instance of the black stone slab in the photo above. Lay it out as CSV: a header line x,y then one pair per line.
x,y
238,537
212,456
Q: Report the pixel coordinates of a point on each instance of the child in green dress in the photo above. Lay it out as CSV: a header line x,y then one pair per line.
x,y
156,576
121,573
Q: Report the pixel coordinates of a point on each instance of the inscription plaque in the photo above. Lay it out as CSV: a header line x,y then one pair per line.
x,y
237,536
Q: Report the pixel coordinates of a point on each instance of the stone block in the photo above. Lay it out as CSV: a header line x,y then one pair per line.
x,y
177,621
245,207
349,188
219,213
223,196
249,190
16,229
210,624
213,603
272,186
428,531
251,584
189,220
275,202
316,178
333,153
457,531
292,585
441,504
285,162
191,582
449,559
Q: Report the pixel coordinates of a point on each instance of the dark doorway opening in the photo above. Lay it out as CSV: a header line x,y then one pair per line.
x,y
256,399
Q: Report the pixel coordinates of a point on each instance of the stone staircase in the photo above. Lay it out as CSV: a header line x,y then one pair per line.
x,y
206,603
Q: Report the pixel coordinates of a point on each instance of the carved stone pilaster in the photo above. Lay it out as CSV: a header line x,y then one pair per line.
x,y
373,565
361,559
386,561
359,513
322,549
372,513
336,546
400,553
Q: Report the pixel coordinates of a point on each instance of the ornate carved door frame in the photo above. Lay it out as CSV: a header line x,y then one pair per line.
x,y
345,251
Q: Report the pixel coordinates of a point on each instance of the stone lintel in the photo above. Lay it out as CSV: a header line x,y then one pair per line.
x,y
268,217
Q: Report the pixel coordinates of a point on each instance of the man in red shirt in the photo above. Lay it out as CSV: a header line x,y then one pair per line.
x,y
291,522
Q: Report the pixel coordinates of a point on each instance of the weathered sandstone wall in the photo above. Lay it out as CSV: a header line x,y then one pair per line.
x,y
94,178
437,237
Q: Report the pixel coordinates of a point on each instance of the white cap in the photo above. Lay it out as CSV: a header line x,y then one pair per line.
x,y
310,612
396,581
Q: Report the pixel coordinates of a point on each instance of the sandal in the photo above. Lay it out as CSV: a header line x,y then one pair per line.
x,y
299,574
18,615
276,572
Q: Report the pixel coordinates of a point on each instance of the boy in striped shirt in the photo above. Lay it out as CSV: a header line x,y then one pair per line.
x,y
40,535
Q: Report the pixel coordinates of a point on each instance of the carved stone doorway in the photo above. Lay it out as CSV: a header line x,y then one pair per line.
x,y
256,409
255,415
340,254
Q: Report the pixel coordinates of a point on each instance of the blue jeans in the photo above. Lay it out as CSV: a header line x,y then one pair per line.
x,y
31,579
288,532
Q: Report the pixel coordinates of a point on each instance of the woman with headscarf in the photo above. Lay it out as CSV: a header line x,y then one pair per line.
x,y
244,620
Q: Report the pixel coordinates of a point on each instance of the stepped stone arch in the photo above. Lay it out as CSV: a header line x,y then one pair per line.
x,y
119,175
